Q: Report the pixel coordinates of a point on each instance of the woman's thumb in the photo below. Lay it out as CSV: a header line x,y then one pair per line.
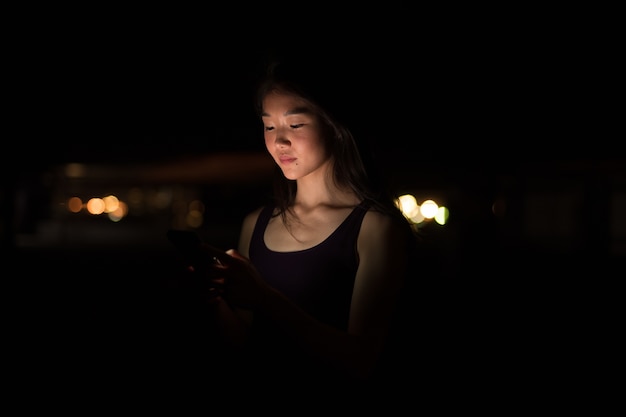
x,y
235,254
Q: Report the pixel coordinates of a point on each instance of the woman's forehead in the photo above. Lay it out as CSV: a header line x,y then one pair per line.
x,y
285,102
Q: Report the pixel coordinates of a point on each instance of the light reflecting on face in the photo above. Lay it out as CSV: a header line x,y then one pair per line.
x,y
293,135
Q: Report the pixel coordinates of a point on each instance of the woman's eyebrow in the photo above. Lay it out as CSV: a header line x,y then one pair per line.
x,y
291,112
297,110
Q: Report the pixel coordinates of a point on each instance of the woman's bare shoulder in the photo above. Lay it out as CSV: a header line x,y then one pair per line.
x,y
377,223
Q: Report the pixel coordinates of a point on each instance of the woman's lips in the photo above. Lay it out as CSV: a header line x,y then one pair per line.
x,y
286,159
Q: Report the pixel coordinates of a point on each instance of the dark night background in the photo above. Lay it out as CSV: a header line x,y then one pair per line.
x,y
474,113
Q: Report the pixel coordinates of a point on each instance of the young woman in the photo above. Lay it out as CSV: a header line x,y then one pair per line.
x,y
312,288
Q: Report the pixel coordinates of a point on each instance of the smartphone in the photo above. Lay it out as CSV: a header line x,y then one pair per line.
x,y
193,249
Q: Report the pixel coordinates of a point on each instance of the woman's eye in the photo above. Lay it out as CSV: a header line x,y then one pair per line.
x,y
268,128
297,126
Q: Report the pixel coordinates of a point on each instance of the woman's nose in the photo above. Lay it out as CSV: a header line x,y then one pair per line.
x,y
281,140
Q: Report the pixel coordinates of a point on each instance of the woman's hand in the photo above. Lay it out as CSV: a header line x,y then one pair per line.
x,y
229,276
240,283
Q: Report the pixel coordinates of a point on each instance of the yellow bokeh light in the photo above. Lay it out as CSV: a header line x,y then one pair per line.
x,y
194,219
429,209
119,213
442,215
111,203
95,206
408,205
196,205
74,204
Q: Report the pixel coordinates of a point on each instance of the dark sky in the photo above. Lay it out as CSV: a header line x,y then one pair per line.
x,y
484,85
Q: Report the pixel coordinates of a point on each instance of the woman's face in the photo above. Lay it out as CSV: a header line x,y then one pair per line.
x,y
293,135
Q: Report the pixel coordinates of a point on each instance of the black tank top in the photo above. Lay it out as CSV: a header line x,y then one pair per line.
x,y
319,279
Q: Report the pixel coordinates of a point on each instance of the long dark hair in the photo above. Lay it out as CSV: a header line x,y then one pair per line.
x,y
353,166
